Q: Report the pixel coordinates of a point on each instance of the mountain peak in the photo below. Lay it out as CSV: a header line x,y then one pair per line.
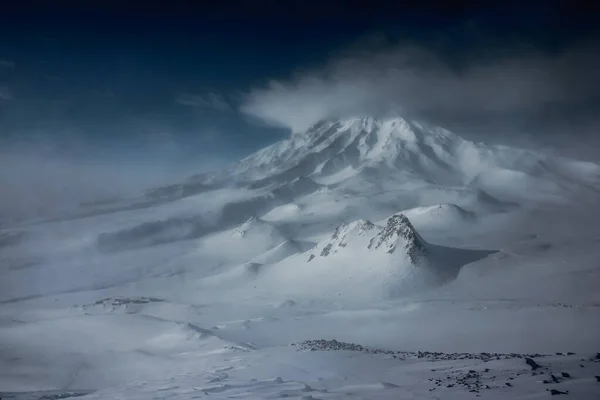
x,y
345,233
364,234
399,231
332,145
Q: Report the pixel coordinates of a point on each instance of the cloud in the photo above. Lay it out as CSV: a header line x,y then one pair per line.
x,y
410,80
211,100
6,63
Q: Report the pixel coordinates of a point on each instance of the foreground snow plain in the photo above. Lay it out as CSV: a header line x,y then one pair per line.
x,y
209,288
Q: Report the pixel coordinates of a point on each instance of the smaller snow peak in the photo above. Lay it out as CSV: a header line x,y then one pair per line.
x,y
338,230
399,222
360,227
246,226
364,226
342,235
398,231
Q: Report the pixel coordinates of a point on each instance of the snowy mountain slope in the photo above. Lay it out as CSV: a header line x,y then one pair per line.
x,y
245,243
439,216
279,252
363,260
334,151
447,212
198,289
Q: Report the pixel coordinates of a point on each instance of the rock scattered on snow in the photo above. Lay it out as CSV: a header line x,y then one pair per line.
x,y
473,380
532,364
332,345
329,345
123,301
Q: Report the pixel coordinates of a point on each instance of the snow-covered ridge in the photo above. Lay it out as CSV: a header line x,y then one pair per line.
x,y
352,139
398,233
347,232
364,260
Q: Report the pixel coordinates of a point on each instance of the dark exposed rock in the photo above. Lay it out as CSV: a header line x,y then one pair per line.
x,y
472,381
326,250
532,363
328,345
123,301
554,392
398,226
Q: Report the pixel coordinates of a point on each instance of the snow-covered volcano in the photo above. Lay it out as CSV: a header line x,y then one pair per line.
x,y
410,152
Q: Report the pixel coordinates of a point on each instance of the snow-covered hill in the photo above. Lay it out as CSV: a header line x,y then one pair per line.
x,y
362,260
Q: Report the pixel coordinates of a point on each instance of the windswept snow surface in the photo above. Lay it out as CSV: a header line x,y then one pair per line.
x,y
363,258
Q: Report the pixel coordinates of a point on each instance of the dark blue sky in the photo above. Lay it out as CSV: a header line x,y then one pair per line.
x,y
123,80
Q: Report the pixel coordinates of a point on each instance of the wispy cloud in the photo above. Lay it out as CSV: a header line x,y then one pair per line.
x,y
417,81
6,63
210,100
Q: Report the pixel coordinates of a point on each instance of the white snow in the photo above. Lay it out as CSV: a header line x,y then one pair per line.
x,y
201,296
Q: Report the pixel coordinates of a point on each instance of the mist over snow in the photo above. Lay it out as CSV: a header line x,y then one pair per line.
x,y
41,179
